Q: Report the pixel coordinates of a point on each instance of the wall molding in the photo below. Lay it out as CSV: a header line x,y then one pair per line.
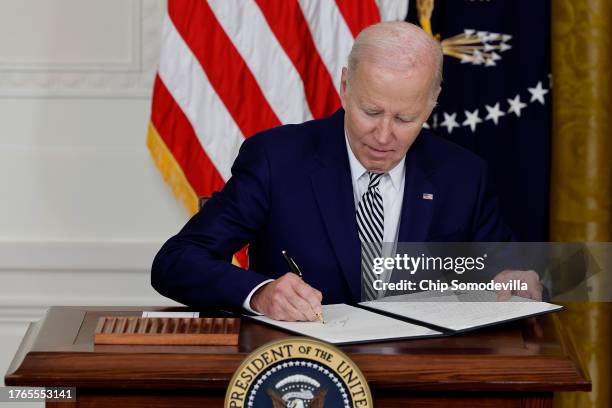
x,y
132,64
77,255
39,274
107,79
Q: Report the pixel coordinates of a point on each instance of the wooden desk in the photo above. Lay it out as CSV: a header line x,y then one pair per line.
x,y
516,365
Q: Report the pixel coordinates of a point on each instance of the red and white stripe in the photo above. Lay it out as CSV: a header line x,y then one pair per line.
x,y
229,69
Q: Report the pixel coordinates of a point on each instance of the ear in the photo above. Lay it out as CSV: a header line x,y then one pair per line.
x,y
434,102
343,85
436,95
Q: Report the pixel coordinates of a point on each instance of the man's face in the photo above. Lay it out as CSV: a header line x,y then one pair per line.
x,y
384,112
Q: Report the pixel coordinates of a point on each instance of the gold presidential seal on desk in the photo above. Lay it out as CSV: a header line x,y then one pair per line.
x,y
298,372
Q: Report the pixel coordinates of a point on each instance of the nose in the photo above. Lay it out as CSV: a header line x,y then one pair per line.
x,y
384,132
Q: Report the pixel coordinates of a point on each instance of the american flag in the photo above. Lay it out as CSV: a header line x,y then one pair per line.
x,y
229,69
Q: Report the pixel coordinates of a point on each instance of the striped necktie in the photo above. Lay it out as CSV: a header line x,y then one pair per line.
x,y
370,223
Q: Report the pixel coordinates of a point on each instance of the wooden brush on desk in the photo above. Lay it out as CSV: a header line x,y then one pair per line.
x,y
218,331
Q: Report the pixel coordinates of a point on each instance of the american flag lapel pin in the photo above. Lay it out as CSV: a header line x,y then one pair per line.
x,y
427,196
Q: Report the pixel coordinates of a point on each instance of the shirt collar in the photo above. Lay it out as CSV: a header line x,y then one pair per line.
x,y
396,174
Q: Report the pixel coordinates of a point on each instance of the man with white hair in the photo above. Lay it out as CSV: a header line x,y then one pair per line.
x,y
321,189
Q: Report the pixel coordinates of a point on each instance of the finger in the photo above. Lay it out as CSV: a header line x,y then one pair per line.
x,y
295,291
291,277
310,295
524,294
502,276
528,293
296,314
319,295
503,295
301,304
284,310
306,311
535,292
534,287
288,298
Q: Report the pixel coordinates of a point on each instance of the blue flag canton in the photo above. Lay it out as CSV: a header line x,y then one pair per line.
x,y
496,95
496,62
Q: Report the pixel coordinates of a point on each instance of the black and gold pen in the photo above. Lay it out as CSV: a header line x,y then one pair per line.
x,y
296,269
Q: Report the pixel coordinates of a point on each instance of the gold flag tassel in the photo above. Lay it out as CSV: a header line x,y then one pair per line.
x,y
173,174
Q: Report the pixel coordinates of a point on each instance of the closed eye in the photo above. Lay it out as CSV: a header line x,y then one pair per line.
x,y
371,112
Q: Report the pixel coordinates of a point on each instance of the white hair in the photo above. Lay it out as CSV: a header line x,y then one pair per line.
x,y
399,46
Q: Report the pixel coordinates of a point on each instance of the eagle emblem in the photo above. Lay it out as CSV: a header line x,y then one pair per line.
x,y
297,391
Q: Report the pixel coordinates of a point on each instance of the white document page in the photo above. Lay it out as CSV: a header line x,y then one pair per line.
x,y
460,311
148,313
348,324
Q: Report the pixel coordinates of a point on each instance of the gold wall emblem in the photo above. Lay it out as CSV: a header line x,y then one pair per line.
x,y
472,46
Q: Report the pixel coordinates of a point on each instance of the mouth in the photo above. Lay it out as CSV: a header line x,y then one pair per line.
x,y
378,153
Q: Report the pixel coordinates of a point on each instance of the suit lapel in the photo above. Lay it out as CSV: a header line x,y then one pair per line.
x,y
334,195
333,190
417,209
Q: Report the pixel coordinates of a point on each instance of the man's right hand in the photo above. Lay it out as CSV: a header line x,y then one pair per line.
x,y
288,298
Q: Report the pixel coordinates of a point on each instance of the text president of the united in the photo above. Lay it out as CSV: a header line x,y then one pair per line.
x,y
300,187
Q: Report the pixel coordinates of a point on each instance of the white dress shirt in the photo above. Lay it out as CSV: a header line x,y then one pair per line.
x,y
392,190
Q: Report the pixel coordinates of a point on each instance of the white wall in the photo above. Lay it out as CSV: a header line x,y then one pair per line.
x,y
82,208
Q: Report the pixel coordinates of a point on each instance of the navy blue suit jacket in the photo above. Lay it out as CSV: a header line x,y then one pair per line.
x,y
291,189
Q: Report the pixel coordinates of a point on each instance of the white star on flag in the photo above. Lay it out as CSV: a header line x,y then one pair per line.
x,y
537,93
471,119
516,105
449,122
494,113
